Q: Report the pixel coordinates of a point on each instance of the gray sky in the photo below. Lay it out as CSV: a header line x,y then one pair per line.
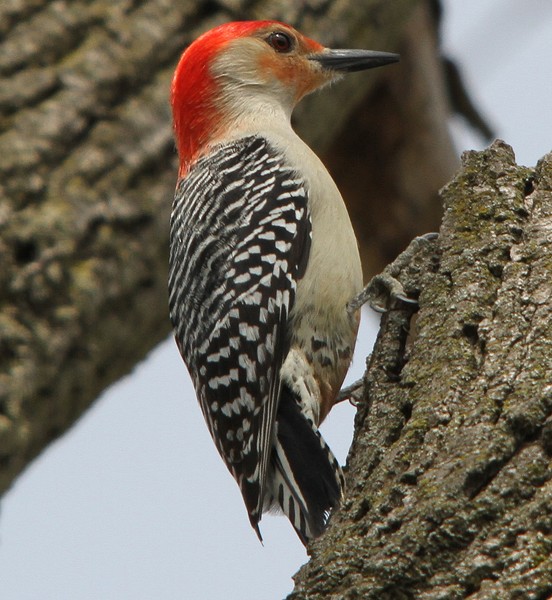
x,y
134,502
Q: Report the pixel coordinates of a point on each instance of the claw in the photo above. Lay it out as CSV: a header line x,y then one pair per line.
x,y
351,392
379,291
406,299
385,287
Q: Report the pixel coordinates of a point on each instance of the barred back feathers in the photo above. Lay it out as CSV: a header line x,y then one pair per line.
x,y
240,241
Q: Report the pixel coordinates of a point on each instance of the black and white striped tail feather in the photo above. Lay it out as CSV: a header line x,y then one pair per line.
x,y
254,488
306,480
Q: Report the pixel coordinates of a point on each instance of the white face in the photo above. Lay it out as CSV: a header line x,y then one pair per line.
x,y
250,70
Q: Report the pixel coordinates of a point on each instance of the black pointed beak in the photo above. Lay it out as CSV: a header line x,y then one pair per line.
x,y
353,60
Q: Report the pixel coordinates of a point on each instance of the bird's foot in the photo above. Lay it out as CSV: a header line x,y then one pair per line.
x,y
352,392
385,289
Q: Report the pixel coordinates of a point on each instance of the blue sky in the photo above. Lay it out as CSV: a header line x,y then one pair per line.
x,y
134,502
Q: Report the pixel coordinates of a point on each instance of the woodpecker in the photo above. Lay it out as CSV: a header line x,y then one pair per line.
x,y
263,261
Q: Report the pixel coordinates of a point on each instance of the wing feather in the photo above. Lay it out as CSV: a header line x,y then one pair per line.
x,y
240,238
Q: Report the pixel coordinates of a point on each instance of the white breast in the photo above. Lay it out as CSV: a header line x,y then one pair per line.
x,y
334,273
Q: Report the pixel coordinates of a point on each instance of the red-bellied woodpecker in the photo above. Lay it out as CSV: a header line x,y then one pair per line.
x,y
263,261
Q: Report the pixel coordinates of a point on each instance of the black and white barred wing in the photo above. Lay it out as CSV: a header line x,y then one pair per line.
x,y
240,238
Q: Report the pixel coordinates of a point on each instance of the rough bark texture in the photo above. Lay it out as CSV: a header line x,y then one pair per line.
x,y
450,491
87,173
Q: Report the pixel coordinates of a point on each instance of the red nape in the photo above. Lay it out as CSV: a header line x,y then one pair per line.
x,y
194,91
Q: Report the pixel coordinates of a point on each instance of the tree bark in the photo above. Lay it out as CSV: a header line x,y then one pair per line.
x,y
88,167
449,476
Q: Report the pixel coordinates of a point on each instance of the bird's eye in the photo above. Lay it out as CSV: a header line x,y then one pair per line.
x,y
281,42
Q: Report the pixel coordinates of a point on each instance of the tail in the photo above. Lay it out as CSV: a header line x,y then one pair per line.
x,y
307,481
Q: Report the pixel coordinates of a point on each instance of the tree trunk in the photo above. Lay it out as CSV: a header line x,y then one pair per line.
x,y
88,167
449,476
